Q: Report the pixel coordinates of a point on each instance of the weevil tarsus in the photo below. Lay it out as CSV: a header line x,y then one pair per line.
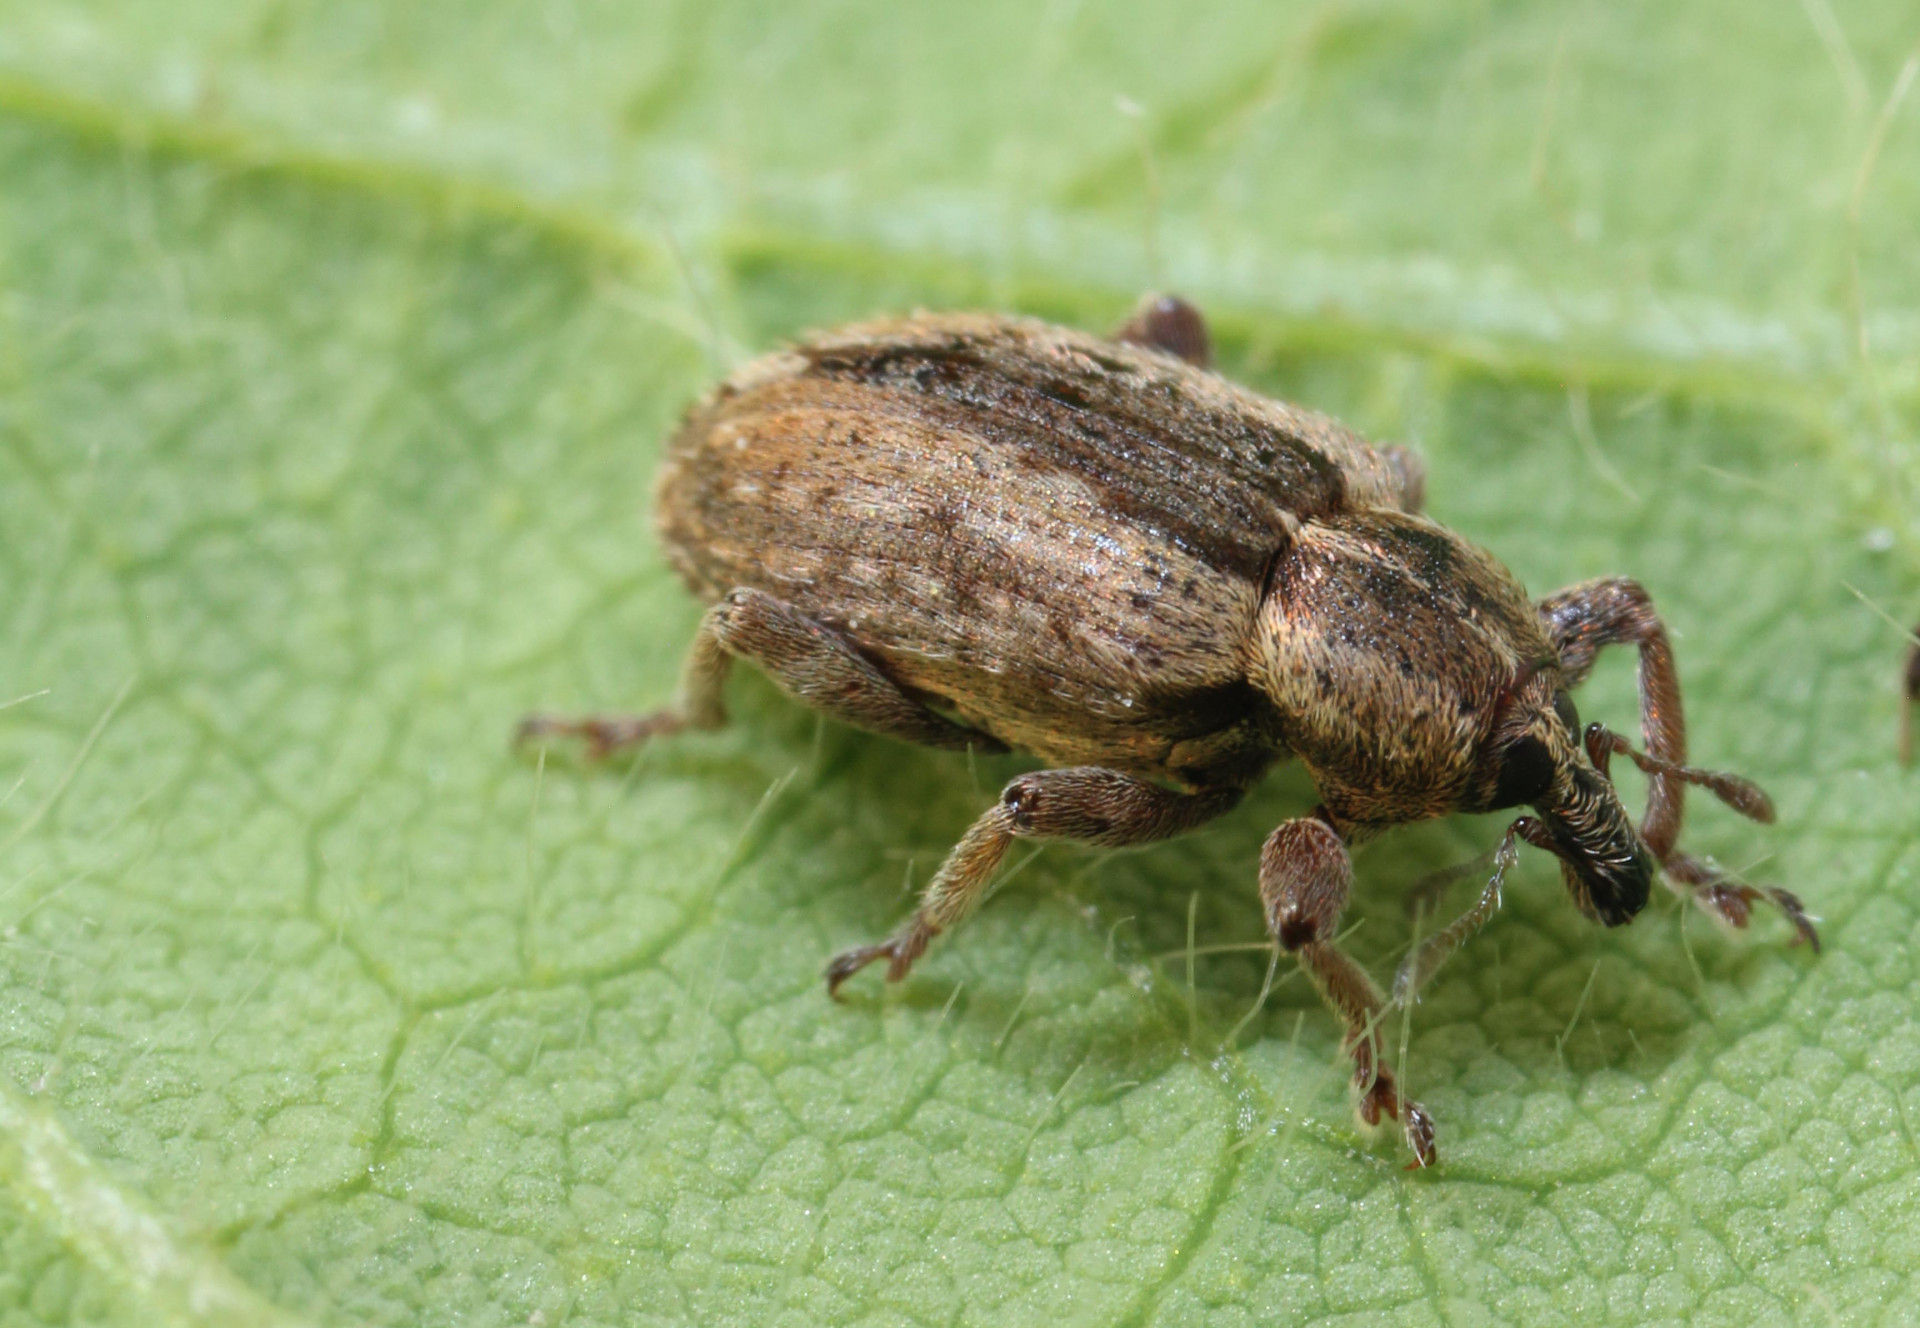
x,y
1730,899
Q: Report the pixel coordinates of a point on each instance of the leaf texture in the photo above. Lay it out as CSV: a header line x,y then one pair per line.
x,y
337,346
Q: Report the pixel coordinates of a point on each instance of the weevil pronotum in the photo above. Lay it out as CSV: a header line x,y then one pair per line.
x,y
989,532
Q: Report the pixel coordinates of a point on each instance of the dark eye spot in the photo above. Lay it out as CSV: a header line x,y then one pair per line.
x,y
1526,772
1563,706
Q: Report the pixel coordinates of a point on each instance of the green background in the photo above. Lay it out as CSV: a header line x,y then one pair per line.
x,y
337,344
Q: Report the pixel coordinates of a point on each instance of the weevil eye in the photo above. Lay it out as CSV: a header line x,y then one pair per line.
x,y
1526,773
1569,715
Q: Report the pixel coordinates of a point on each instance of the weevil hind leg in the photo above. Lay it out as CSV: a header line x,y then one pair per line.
x,y
1305,879
1086,803
1582,620
697,706
807,660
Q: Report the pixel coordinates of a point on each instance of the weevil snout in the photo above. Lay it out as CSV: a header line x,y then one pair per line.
x,y
1608,868
1541,763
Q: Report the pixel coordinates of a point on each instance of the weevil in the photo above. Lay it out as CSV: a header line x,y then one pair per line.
x,y
988,532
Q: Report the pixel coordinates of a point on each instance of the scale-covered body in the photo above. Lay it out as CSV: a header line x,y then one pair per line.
x,y
1059,540
980,531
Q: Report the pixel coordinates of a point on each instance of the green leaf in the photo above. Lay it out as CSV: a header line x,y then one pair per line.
x,y
337,345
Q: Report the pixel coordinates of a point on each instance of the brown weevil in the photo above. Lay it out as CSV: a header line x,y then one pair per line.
x,y
990,532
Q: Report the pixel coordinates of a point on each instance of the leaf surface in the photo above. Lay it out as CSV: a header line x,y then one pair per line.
x,y
337,345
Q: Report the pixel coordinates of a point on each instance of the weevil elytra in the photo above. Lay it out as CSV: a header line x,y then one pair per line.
x,y
989,532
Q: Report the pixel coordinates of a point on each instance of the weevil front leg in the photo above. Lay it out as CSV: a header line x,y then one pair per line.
x,y
1720,893
1419,967
807,660
1087,803
1305,878
1582,620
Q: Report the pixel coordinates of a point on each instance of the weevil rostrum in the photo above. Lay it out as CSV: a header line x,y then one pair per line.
x,y
981,531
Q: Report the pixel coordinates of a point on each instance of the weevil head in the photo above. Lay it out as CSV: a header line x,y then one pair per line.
x,y
1533,757
1413,677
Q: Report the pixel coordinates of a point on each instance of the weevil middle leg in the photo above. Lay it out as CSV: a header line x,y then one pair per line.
x,y
1305,878
1087,803
1583,619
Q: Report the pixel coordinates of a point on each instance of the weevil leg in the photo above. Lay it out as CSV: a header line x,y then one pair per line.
x,y
1739,793
1087,803
1586,617
808,661
1169,323
1731,899
1425,895
1418,968
1305,878
1581,620
697,706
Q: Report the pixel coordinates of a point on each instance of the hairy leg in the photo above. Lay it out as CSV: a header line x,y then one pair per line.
x,y
1426,894
1731,899
1584,619
1305,877
808,661
1420,966
1086,803
1719,893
